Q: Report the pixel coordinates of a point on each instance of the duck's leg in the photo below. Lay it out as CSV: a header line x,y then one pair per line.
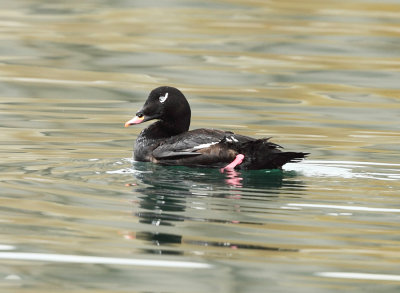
x,y
237,161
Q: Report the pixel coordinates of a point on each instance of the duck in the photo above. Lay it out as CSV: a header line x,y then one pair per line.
x,y
168,141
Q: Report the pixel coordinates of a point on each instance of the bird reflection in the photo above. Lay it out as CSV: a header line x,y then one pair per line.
x,y
167,196
233,178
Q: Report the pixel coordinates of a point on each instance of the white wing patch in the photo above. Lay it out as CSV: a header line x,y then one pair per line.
x,y
204,145
163,98
231,139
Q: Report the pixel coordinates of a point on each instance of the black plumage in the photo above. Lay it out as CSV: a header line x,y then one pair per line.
x,y
169,141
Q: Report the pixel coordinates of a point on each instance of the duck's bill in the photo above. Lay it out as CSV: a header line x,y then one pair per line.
x,y
134,120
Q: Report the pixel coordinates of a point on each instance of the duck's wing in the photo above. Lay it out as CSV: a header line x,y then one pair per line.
x,y
194,143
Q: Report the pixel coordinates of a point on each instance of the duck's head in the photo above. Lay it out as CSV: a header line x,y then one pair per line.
x,y
168,105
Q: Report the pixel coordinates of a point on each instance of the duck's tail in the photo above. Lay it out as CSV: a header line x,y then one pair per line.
x,y
262,154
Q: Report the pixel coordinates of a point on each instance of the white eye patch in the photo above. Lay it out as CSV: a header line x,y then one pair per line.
x,y
163,98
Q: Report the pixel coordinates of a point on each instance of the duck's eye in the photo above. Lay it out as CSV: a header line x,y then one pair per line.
x,y
163,98
140,115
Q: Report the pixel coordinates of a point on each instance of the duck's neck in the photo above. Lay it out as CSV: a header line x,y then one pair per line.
x,y
163,129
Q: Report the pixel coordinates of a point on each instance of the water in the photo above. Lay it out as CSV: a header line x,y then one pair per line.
x,y
77,214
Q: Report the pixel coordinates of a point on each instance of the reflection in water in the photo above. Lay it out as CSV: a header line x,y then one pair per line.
x,y
167,192
234,178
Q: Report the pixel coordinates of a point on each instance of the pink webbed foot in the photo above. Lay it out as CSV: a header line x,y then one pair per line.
x,y
237,161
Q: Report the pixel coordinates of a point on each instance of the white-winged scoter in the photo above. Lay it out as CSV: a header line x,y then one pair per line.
x,y
169,141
